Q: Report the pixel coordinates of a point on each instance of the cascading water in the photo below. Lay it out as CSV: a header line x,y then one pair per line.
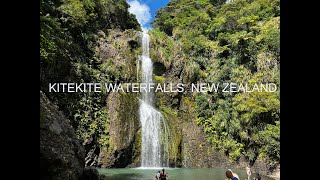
x,y
229,1
154,151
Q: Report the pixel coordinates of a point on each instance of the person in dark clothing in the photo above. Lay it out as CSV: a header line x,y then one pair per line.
x,y
163,175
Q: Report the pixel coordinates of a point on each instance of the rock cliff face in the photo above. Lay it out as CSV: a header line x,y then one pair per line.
x,y
262,167
188,145
61,154
124,126
120,49
90,42
197,153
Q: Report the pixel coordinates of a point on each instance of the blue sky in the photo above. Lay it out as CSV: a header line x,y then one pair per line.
x,y
145,10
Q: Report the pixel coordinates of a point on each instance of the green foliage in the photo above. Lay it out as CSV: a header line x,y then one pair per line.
x,y
191,70
68,36
159,79
269,36
92,120
164,51
74,11
235,42
48,43
270,141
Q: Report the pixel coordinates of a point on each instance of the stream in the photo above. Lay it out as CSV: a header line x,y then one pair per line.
x,y
174,173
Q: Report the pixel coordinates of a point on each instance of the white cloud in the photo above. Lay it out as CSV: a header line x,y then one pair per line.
x,y
142,11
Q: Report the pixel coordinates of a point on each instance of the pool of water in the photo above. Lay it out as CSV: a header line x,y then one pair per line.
x,y
174,173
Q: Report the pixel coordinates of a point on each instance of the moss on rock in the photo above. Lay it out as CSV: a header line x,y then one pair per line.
x,y
124,124
136,153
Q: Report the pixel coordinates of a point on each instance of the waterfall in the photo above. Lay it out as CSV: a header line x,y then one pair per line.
x,y
154,152
229,1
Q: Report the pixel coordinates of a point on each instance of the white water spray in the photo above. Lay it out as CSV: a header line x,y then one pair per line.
x,y
154,151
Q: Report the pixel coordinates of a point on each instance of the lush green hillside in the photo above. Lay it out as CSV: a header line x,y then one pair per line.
x,y
88,41
209,41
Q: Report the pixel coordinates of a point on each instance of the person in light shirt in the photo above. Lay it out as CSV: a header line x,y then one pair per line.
x,y
231,175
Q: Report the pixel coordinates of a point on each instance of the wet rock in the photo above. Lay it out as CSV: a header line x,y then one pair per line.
x,y
90,173
103,177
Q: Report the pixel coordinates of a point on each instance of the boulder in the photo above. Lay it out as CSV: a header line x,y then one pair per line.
x,y
90,173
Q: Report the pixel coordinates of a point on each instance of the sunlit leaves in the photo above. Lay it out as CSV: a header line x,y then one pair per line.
x,y
73,11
